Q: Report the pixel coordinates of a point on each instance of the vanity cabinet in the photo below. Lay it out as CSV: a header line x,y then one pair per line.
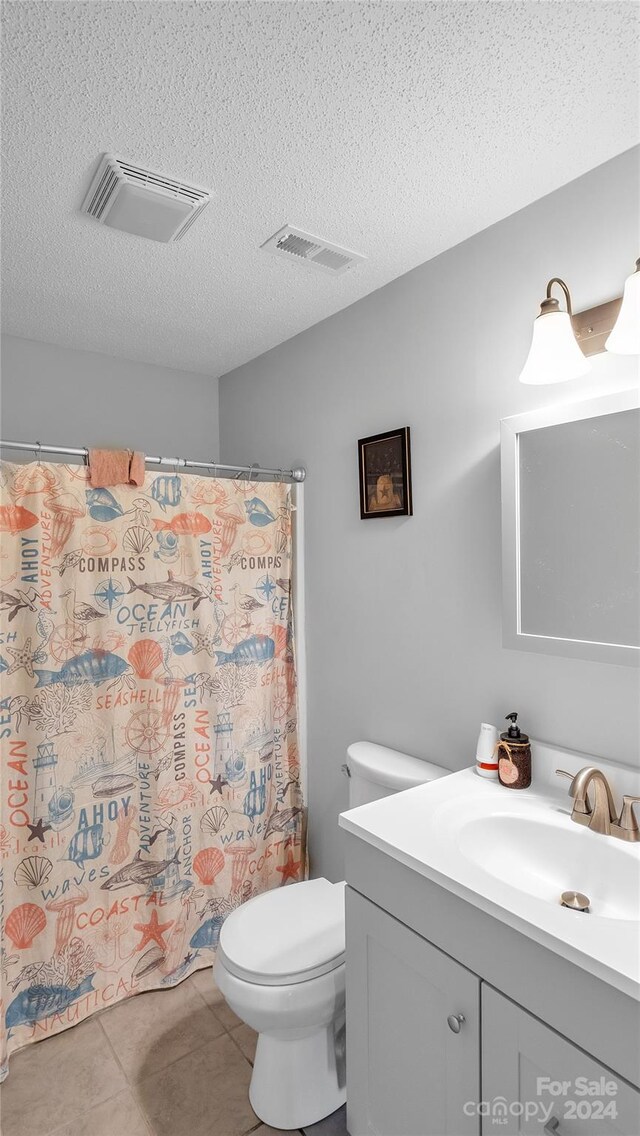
x,y
563,1090
413,1037
428,1039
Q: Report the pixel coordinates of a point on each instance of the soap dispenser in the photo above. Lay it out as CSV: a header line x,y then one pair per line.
x,y
514,756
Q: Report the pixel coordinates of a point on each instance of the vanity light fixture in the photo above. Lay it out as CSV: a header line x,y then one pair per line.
x,y
625,337
554,355
562,341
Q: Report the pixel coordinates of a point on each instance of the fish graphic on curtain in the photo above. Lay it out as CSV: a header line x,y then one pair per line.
x,y
148,731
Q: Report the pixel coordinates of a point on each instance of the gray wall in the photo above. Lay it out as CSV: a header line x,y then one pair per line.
x,y
80,398
403,615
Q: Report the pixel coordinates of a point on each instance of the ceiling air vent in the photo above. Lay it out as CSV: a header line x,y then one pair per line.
x,y
144,202
298,246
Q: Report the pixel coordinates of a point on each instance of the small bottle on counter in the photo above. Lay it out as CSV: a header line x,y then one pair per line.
x,y
514,756
487,752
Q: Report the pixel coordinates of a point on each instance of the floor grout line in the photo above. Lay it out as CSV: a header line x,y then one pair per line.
x,y
211,1009
195,989
248,1059
131,1085
189,1053
113,1050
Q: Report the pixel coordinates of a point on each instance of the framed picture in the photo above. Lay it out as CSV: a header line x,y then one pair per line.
x,y
385,475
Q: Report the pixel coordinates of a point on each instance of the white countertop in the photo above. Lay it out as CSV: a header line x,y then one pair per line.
x,y
481,841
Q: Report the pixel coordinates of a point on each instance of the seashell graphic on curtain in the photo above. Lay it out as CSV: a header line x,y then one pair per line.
x,y
150,763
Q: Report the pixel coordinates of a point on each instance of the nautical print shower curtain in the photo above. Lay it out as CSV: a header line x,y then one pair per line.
x,y
150,766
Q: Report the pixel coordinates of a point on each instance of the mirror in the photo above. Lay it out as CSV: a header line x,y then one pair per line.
x,y
571,529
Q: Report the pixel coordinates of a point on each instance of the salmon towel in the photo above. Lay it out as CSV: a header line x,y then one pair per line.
x,y
149,765
116,467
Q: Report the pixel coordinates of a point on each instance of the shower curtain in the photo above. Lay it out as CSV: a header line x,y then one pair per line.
x,y
148,731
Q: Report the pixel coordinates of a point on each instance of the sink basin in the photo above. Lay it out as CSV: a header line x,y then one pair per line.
x,y
514,854
546,859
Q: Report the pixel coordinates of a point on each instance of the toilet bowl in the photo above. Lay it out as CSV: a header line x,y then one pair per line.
x,y
280,967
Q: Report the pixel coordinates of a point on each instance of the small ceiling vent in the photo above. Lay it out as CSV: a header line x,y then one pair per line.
x,y
143,202
298,246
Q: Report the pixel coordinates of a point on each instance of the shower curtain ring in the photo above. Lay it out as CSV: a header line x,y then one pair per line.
x,y
213,465
38,451
254,465
239,473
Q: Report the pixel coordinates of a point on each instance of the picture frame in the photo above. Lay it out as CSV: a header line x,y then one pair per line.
x,y
384,462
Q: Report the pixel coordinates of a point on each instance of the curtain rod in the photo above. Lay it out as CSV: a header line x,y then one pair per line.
x,y
297,474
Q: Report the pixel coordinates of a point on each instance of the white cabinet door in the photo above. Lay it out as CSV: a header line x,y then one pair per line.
x,y
534,1081
408,1072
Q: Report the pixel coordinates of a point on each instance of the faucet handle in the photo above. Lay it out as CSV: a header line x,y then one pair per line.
x,y
582,807
626,826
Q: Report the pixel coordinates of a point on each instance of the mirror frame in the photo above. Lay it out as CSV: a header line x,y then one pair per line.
x,y
510,429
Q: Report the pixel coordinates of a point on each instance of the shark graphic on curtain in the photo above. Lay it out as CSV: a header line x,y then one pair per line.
x,y
148,730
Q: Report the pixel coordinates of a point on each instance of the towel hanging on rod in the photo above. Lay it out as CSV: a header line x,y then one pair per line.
x,y
298,473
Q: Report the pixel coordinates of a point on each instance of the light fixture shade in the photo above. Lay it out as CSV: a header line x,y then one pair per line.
x,y
554,356
625,337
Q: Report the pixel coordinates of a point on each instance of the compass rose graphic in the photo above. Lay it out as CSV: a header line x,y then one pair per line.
x,y
266,586
109,594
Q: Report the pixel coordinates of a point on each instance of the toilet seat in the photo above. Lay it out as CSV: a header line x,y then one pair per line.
x,y
286,936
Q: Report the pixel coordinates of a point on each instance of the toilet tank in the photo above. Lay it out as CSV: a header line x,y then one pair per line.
x,y
376,771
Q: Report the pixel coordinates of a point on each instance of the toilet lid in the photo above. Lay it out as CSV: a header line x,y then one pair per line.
x,y
288,935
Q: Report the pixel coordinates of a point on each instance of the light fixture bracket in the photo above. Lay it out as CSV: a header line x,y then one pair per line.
x,y
593,326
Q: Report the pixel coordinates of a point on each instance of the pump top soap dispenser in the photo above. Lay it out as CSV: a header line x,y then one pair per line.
x,y
514,756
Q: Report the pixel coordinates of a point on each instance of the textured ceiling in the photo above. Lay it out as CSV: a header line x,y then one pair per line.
x,y
396,129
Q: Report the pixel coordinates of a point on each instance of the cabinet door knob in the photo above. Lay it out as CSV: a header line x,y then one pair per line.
x,y
455,1022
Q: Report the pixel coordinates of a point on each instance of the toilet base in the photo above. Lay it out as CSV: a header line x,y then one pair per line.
x,y
298,1075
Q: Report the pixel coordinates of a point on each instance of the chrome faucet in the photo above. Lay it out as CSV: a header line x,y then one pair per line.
x,y
601,816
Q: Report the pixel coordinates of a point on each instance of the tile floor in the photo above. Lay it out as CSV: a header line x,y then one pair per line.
x,y
168,1063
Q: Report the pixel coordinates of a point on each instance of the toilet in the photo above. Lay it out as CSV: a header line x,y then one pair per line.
x,y
281,967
